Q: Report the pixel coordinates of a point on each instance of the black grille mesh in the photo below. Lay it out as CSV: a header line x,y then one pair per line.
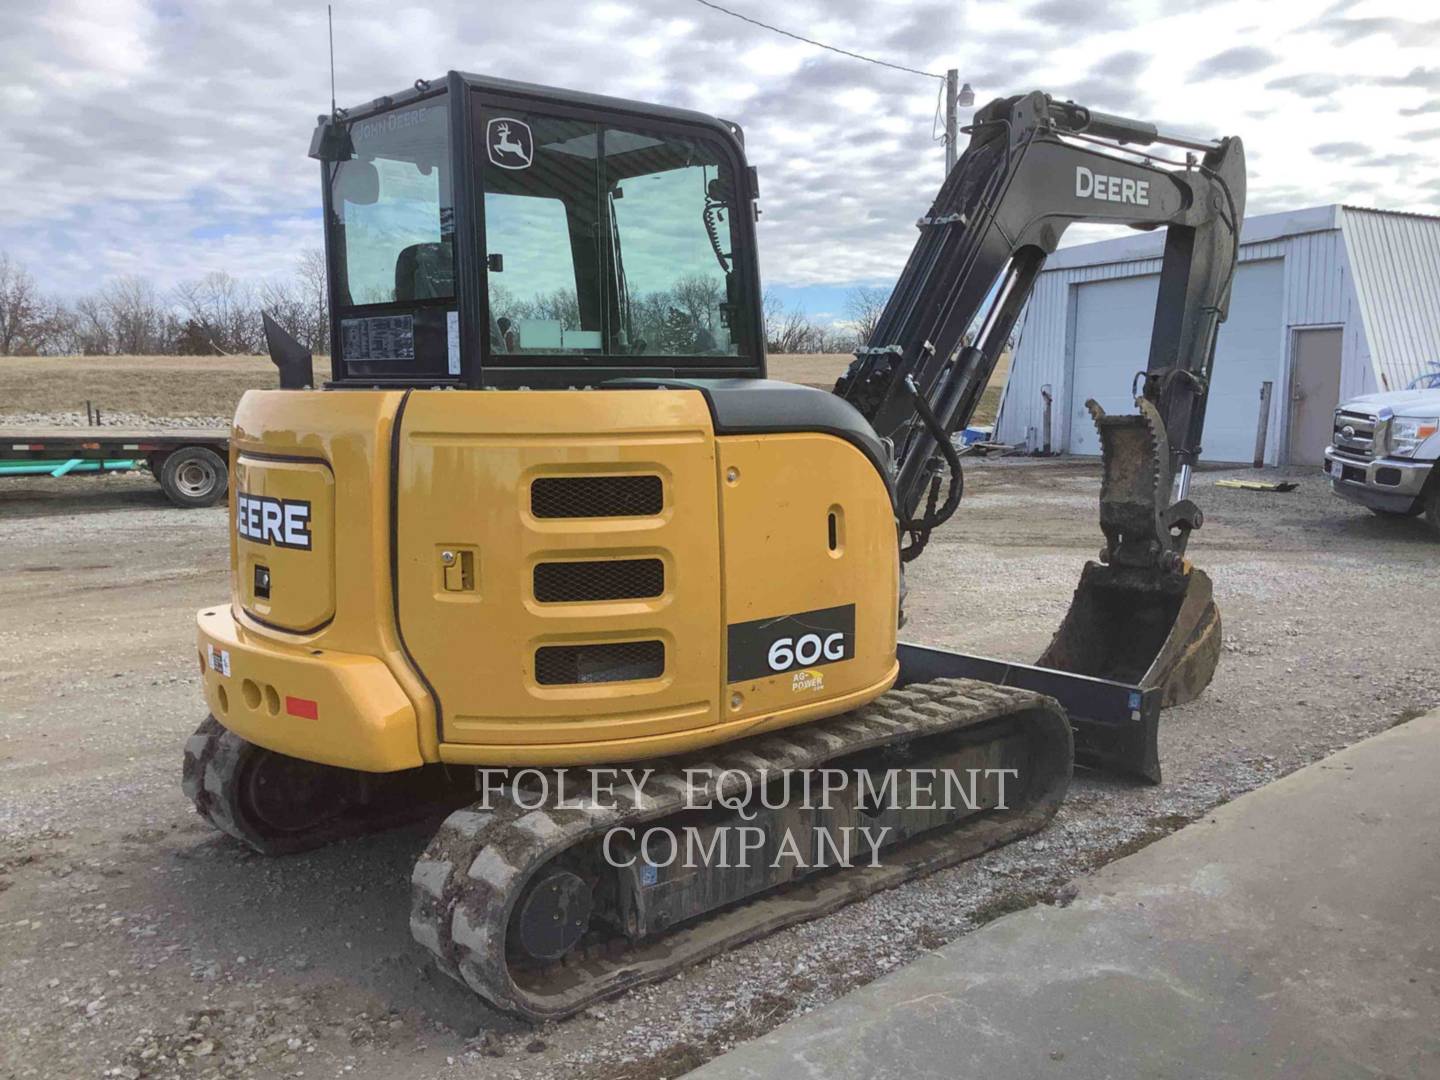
x,y
601,579
562,665
596,496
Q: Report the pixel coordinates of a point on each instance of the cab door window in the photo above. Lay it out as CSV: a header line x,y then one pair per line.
x,y
608,242
672,202
542,234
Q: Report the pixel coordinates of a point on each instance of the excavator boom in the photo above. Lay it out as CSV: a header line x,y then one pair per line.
x,y
1034,166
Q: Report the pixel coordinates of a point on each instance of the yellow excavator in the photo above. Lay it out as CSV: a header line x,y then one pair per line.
x,y
547,520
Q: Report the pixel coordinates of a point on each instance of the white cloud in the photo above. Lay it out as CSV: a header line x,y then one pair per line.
x,y
168,138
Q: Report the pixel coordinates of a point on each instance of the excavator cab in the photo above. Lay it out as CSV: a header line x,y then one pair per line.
x,y
489,234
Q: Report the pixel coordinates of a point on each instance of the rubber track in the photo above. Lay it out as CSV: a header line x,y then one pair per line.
x,y
466,884
213,778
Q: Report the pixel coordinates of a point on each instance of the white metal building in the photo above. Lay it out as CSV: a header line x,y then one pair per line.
x,y
1327,303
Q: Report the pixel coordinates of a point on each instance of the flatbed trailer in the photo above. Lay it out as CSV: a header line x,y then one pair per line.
x,y
190,464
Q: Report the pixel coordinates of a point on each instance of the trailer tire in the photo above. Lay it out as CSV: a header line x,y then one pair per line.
x,y
194,476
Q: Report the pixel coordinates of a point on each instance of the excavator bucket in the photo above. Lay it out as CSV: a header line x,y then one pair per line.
x,y
1125,626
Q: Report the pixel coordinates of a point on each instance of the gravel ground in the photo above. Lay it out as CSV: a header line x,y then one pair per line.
x,y
133,941
39,420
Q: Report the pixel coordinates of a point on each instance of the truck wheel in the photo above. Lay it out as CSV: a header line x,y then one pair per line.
x,y
1432,508
194,476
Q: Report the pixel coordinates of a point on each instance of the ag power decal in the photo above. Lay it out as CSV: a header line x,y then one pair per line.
x,y
782,643
282,522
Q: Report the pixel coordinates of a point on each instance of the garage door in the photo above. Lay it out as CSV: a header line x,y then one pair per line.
x,y
1112,343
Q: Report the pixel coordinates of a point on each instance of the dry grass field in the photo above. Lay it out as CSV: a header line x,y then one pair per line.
x,y
204,386
138,385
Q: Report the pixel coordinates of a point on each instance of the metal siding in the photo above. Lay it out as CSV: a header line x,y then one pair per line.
x,y
1039,359
1318,290
1111,344
1396,259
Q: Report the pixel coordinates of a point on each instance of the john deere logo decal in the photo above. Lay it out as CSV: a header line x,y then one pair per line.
x,y
282,522
510,143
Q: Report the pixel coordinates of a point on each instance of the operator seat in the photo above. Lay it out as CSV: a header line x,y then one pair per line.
x,y
425,272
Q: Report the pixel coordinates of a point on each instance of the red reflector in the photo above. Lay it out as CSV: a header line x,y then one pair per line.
x,y
302,707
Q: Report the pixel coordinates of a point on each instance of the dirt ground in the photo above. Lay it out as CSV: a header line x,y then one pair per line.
x,y
202,391
134,941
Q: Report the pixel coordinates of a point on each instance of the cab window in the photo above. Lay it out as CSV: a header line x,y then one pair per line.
x,y
606,241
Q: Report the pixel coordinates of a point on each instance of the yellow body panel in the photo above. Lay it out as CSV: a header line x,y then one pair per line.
x,y
467,464
363,719
778,492
750,527
300,579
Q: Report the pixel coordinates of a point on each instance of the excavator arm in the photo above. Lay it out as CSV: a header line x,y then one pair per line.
x,y
1034,167
1142,616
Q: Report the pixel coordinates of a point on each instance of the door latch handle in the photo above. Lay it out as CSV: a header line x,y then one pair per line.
x,y
458,569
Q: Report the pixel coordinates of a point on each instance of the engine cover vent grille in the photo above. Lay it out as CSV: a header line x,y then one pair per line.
x,y
625,661
600,579
596,496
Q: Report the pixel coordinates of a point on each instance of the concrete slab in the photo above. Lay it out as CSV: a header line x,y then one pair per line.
x,y
1294,932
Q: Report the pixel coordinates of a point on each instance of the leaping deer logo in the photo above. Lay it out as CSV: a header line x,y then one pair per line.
x,y
510,143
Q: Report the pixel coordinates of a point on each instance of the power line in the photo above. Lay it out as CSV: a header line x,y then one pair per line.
x,y
817,44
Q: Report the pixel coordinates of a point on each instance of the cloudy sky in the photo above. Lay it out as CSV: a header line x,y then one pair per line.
x,y
167,138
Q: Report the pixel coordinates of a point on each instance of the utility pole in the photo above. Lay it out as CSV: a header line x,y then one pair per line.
x,y
952,91
955,95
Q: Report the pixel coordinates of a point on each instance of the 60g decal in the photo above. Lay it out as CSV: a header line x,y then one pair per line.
x,y
805,651
764,647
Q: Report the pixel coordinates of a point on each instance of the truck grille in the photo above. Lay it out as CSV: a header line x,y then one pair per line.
x,y
1354,434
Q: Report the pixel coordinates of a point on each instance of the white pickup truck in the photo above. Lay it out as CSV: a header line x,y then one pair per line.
x,y
1384,451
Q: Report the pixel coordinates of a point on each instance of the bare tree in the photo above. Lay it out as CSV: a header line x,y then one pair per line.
x,y
283,301
312,279
86,329
787,329
221,311
838,339
29,323
864,305
699,297
301,302
138,321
